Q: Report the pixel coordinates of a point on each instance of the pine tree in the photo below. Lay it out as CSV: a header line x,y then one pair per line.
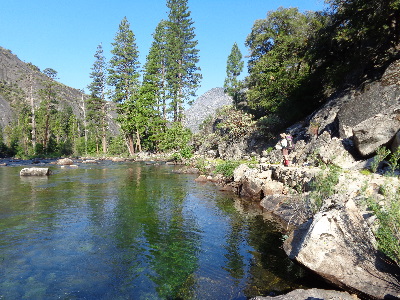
x,y
234,67
49,99
124,77
155,69
96,104
183,75
153,92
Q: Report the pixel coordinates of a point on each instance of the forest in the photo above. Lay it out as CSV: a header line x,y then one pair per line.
x,y
296,61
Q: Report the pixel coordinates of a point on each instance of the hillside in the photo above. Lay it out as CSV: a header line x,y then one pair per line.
x,y
15,85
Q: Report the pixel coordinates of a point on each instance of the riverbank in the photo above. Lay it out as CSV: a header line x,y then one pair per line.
x,y
326,211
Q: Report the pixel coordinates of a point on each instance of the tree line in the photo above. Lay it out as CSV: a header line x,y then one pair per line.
x,y
150,110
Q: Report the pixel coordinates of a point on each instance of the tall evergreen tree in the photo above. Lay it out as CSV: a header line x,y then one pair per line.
x,y
96,104
153,92
124,77
155,68
234,67
49,99
124,65
183,75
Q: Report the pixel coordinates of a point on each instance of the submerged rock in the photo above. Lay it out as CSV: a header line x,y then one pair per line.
x,y
35,172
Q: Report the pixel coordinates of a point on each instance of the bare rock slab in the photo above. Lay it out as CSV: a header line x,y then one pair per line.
x,y
311,294
374,132
339,246
35,172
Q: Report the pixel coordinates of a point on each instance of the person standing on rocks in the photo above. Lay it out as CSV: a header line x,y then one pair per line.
x,y
285,147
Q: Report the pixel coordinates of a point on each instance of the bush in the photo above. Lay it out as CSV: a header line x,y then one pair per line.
x,y
117,146
176,137
394,161
226,168
201,164
388,218
233,124
323,187
381,154
185,153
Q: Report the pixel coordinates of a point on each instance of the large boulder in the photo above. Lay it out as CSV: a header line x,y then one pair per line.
x,y
251,186
294,177
65,161
346,109
369,100
339,246
238,173
374,132
311,294
290,209
396,142
35,172
332,151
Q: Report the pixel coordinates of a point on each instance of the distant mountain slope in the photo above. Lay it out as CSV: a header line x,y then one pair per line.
x,y
204,106
15,84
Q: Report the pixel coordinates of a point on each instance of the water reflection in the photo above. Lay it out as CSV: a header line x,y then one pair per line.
x,y
134,231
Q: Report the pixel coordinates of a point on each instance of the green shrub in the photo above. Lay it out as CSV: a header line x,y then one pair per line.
x,y
365,172
394,161
381,154
233,123
388,217
186,152
176,137
226,168
201,164
323,187
117,146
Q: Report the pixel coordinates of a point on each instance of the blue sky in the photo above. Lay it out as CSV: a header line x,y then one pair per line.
x,y
64,34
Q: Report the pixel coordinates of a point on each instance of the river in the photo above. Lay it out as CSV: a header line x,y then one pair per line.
x,y
135,231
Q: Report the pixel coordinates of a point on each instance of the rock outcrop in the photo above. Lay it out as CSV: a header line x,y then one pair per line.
x,y
337,243
378,130
339,246
350,113
204,107
35,172
311,294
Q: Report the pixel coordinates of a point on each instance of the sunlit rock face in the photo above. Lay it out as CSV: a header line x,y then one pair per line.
x,y
205,106
338,245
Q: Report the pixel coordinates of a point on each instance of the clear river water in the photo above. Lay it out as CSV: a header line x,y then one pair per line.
x,y
135,231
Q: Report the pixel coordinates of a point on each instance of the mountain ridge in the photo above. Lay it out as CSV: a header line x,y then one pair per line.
x,y
18,79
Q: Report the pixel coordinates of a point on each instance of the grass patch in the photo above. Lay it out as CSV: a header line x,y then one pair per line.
x,y
226,168
323,187
388,218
